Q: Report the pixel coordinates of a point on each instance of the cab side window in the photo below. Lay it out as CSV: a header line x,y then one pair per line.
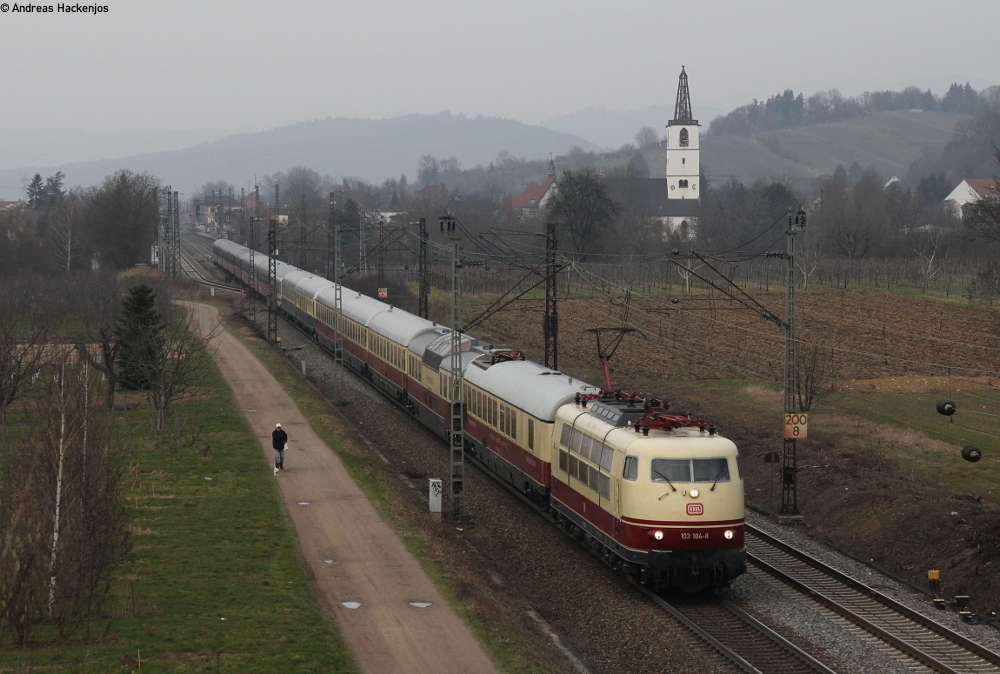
x,y
631,471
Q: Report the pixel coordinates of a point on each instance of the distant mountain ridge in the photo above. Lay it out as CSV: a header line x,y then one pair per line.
x,y
341,147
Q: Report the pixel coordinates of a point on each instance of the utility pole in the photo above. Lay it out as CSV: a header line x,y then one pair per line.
x,y
550,324
272,280
456,429
793,428
303,242
253,251
424,292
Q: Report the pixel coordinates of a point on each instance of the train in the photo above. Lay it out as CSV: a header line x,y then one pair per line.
x,y
657,493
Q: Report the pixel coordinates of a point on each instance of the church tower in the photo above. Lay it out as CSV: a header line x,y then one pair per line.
x,y
682,147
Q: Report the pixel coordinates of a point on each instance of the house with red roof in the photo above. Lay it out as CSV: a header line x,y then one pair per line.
x,y
536,197
972,190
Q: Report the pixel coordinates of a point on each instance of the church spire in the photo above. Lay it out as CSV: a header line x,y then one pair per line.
x,y
552,166
682,111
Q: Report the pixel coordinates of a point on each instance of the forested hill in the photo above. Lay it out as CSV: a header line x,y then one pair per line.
x,y
342,147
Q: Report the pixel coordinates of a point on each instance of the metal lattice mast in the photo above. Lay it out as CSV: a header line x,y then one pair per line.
x,y
304,241
422,306
272,280
163,247
330,239
457,418
243,219
789,458
550,324
383,291
338,309
362,241
175,238
253,251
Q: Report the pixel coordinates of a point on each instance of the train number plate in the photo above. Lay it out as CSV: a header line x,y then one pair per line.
x,y
695,509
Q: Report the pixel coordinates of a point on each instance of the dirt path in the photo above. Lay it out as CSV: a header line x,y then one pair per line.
x,y
351,554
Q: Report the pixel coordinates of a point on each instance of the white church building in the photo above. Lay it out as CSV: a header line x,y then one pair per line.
x,y
674,199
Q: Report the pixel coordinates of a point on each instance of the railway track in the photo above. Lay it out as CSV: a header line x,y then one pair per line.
x,y
750,645
932,644
190,265
755,648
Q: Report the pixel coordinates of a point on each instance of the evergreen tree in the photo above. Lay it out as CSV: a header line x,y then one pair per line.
x,y
52,192
637,165
139,334
36,193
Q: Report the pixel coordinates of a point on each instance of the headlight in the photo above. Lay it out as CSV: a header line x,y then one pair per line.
x,y
658,535
694,493
728,534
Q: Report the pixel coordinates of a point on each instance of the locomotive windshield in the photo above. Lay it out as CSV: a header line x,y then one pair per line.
x,y
690,470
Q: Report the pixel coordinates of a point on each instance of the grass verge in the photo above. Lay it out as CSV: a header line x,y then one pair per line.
x,y
216,582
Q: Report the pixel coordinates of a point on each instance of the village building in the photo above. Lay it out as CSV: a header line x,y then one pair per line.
x,y
970,191
535,198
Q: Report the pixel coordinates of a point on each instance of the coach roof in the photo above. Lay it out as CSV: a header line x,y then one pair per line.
x,y
399,326
529,386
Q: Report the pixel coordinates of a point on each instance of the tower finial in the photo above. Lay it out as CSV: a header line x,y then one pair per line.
x,y
682,111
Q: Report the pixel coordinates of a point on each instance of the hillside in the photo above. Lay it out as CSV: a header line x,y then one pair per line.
x,y
364,148
612,129
889,141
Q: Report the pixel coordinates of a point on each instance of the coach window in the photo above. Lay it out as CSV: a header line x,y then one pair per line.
x,y
512,414
531,433
631,471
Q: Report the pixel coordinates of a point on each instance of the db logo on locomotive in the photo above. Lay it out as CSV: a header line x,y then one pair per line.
x,y
695,509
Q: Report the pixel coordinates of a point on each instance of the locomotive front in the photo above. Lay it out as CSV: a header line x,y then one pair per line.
x,y
682,503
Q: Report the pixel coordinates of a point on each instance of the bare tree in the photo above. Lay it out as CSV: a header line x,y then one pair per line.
x,y
182,363
21,350
584,209
63,230
685,270
815,377
122,216
931,261
645,137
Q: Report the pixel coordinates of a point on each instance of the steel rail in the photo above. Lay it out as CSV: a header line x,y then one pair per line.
x,y
929,642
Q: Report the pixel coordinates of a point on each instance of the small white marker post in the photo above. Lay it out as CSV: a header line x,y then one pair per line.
x,y
303,367
434,498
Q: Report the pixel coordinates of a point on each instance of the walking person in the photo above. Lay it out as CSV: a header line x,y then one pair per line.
x,y
279,440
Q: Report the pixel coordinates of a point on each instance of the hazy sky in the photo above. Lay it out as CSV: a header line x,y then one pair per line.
x,y
250,65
